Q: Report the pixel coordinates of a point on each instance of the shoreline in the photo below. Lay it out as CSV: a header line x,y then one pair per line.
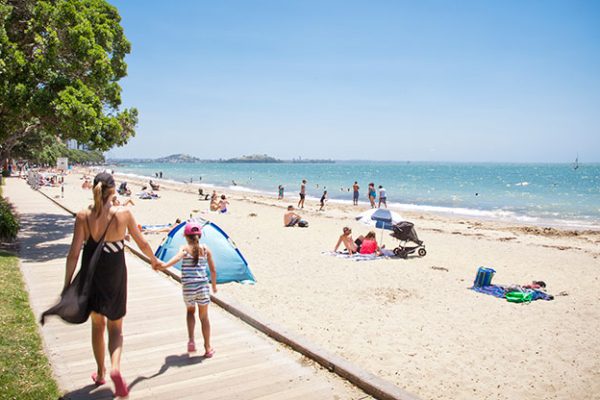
x,y
458,213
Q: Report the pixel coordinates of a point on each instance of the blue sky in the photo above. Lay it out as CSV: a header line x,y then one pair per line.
x,y
382,80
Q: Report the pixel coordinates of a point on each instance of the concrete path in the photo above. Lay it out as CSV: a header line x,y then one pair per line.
x,y
247,364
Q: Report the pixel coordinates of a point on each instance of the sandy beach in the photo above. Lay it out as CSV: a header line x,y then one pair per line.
x,y
413,322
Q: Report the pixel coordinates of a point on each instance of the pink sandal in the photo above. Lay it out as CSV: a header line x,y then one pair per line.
x,y
209,353
98,382
191,347
120,385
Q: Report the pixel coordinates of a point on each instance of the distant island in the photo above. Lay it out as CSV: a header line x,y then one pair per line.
x,y
249,159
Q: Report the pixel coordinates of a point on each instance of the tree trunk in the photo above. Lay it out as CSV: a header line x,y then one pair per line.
x,y
13,140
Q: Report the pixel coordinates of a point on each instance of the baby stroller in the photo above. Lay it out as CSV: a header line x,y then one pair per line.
x,y
405,232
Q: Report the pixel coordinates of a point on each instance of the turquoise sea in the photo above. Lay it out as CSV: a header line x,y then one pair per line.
x,y
555,194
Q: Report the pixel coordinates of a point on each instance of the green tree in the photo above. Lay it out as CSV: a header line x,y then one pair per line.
x,y
60,63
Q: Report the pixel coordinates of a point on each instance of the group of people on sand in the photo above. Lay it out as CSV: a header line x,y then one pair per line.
x,y
362,245
218,203
104,226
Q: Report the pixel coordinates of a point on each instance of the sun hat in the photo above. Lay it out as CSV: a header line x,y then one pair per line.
x,y
192,228
106,179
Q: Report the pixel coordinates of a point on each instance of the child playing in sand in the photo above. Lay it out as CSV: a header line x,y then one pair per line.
x,y
223,204
323,200
194,281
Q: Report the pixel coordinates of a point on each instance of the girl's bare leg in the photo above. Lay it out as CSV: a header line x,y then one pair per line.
x,y
203,311
191,322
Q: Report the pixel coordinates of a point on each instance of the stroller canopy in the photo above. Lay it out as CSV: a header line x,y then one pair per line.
x,y
231,266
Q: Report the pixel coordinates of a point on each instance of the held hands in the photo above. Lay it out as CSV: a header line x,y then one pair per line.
x,y
157,265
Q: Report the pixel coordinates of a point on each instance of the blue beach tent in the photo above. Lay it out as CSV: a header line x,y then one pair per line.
x,y
230,264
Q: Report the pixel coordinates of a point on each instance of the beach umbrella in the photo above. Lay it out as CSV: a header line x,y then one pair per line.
x,y
230,264
379,218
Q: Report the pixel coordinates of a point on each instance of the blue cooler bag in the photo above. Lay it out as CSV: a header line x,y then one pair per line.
x,y
484,277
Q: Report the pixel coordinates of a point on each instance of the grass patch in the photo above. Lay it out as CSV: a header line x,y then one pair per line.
x,y
24,369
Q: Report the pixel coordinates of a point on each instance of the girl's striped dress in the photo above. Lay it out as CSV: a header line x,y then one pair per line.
x,y
194,280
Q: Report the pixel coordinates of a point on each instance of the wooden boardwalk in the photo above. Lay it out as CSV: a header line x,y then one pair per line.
x,y
247,364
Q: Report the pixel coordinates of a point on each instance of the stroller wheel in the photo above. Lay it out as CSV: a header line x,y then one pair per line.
x,y
422,252
398,251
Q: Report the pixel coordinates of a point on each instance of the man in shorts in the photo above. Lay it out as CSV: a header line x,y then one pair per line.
x,y
290,218
355,188
302,194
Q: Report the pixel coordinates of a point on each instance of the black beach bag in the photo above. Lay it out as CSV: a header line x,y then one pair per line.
x,y
73,304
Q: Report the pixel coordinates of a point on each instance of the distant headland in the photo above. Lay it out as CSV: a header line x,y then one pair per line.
x,y
249,159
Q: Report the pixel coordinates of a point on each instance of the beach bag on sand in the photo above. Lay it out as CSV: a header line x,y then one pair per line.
x,y
484,277
303,224
73,304
519,297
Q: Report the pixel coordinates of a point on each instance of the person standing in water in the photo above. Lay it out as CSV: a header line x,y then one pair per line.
x,y
280,192
302,194
355,188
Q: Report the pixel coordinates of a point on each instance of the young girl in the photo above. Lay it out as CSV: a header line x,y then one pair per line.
x,y
223,204
369,245
323,200
194,281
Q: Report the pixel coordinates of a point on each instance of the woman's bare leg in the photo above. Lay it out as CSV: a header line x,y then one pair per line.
x,y
203,311
98,328
115,343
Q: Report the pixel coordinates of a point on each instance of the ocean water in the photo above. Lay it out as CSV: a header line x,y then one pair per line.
x,y
554,194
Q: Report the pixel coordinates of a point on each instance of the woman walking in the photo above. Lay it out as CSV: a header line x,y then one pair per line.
x,y
103,225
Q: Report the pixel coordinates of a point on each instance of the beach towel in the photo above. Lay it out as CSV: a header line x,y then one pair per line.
x,y
513,293
361,257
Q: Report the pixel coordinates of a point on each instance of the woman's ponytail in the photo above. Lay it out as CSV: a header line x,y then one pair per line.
x,y
98,200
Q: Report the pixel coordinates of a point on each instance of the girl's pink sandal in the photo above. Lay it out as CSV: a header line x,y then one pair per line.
x,y
98,382
209,353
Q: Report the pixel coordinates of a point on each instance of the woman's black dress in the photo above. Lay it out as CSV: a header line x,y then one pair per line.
x,y
99,286
108,292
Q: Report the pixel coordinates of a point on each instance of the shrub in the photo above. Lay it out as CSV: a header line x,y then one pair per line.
x,y
9,226
5,173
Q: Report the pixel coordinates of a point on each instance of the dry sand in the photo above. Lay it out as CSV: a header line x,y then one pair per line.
x,y
414,322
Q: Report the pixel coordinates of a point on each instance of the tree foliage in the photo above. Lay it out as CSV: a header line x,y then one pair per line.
x,y
60,63
43,148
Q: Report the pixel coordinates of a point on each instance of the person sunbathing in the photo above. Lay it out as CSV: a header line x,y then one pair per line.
x,y
214,201
346,238
291,218
202,194
116,202
154,186
369,245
